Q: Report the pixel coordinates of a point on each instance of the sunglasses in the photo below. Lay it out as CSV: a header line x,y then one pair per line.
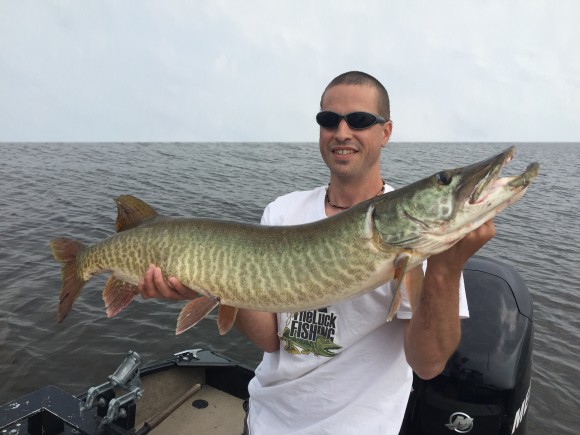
x,y
355,120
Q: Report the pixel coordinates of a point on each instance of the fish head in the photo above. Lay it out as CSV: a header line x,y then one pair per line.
x,y
434,213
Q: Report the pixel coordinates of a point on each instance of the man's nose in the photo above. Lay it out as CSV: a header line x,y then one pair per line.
x,y
343,130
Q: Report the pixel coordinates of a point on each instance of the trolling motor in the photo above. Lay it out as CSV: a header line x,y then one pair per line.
x,y
120,410
485,387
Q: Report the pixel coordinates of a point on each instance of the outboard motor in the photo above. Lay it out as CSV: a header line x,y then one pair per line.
x,y
485,387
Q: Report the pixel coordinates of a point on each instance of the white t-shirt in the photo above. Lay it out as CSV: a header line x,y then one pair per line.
x,y
339,370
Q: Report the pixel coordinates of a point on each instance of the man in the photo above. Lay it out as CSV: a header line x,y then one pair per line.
x,y
343,369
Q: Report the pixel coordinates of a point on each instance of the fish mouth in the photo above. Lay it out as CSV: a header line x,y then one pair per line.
x,y
482,179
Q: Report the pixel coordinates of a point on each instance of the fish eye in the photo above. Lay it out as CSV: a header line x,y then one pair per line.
x,y
443,177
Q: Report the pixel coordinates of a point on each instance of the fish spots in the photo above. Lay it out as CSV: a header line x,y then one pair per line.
x,y
445,211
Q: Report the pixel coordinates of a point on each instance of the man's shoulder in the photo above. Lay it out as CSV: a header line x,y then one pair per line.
x,y
295,208
299,196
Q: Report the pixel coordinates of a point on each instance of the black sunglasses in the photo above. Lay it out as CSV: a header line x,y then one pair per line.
x,y
355,120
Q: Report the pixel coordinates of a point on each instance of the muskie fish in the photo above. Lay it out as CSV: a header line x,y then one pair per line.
x,y
291,268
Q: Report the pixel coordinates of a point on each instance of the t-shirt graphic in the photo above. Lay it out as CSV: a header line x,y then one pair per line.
x,y
311,332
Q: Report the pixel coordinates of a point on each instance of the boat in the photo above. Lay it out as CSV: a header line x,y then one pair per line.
x,y
483,390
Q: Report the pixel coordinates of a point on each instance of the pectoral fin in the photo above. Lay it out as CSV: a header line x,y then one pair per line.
x,y
193,312
400,268
117,295
413,283
226,318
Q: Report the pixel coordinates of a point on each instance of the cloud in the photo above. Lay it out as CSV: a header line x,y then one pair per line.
x,y
254,71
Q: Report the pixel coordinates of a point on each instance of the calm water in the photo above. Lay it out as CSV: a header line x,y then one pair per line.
x,y
50,190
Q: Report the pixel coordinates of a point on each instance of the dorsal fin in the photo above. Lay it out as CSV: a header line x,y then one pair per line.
x,y
132,212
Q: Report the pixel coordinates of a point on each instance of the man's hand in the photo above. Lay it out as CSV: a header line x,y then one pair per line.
x,y
259,327
155,285
453,260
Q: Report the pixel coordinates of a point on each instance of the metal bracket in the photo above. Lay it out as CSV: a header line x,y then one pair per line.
x,y
125,377
188,355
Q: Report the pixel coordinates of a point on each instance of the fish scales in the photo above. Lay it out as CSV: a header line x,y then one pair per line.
x,y
278,270
292,268
240,270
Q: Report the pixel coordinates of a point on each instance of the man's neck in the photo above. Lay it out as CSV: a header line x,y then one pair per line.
x,y
343,194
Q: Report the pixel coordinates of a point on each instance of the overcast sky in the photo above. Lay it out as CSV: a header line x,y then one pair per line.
x,y
168,70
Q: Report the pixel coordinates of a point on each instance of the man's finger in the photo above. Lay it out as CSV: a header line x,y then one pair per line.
x,y
185,291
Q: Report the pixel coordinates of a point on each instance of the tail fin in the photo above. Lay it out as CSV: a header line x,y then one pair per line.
x,y
65,251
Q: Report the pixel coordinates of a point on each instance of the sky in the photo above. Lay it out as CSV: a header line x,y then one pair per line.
x,y
249,71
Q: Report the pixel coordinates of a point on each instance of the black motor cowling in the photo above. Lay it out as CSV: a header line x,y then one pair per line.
x,y
485,386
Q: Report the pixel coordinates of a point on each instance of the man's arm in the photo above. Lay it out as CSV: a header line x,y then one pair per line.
x,y
259,327
433,333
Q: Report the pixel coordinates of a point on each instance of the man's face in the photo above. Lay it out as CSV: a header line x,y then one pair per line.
x,y
352,154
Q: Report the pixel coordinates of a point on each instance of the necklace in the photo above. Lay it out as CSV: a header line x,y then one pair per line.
x,y
340,207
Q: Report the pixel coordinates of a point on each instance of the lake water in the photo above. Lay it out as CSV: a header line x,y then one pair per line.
x,y
51,190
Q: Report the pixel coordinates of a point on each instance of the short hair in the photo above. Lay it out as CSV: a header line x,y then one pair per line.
x,y
363,79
